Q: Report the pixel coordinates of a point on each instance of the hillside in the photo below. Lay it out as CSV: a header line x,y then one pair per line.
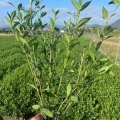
x,y
116,24
94,25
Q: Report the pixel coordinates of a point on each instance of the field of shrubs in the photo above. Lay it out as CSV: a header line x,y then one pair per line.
x,y
98,99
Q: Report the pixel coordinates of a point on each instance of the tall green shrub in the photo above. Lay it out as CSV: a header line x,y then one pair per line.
x,y
59,75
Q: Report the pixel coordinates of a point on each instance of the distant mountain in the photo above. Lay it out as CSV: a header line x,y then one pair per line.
x,y
116,24
94,25
59,26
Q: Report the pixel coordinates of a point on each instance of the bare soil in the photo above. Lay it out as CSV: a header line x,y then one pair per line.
x,y
3,34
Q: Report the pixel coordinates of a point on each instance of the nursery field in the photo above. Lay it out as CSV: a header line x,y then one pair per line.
x,y
98,100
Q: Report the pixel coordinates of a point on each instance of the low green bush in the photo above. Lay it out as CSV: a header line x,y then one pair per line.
x,y
16,97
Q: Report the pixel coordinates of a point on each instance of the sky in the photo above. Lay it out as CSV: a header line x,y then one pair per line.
x,y
94,10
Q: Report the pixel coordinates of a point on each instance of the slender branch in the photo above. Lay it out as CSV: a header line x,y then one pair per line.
x,y
108,19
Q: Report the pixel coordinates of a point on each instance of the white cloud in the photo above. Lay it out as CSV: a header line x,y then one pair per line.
x,y
3,3
92,11
62,15
96,14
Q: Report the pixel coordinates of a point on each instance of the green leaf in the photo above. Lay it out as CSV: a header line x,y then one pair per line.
x,y
33,86
44,25
72,45
49,94
42,7
80,33
56,12
91,44
104,69
11,4
66,24
53,11
74,98
115,2
20,16
79,5
65,62
111,73
36,107
68,89
70,13
103,59
75,4
85,5
105,13
16,33
33,40
72,71
43,14
47,112
23,41
82,22
15,24
31,1
30,11
67,38
108,30
13,14
69,22
57,29
113,14
9,15
85,73
20,6
102,36
17,27
37,3
111,2
8,21
92,55
52,24
98,31
98,45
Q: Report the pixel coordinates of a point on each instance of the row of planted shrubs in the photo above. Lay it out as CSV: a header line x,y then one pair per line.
x,y
16,96
100,99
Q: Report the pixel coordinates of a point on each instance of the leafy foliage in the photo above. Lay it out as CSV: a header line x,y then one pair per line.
x,y
65,67
14,93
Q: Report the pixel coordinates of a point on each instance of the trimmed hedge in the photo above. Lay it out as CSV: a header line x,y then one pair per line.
x,y
16,97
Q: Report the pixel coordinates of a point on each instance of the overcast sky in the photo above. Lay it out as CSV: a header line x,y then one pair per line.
x,y
94,10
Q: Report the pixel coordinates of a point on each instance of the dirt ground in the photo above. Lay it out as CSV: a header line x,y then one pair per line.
x,y
3,34
110,47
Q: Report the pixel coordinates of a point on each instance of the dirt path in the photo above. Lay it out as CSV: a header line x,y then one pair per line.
x,y
2,34
110,43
